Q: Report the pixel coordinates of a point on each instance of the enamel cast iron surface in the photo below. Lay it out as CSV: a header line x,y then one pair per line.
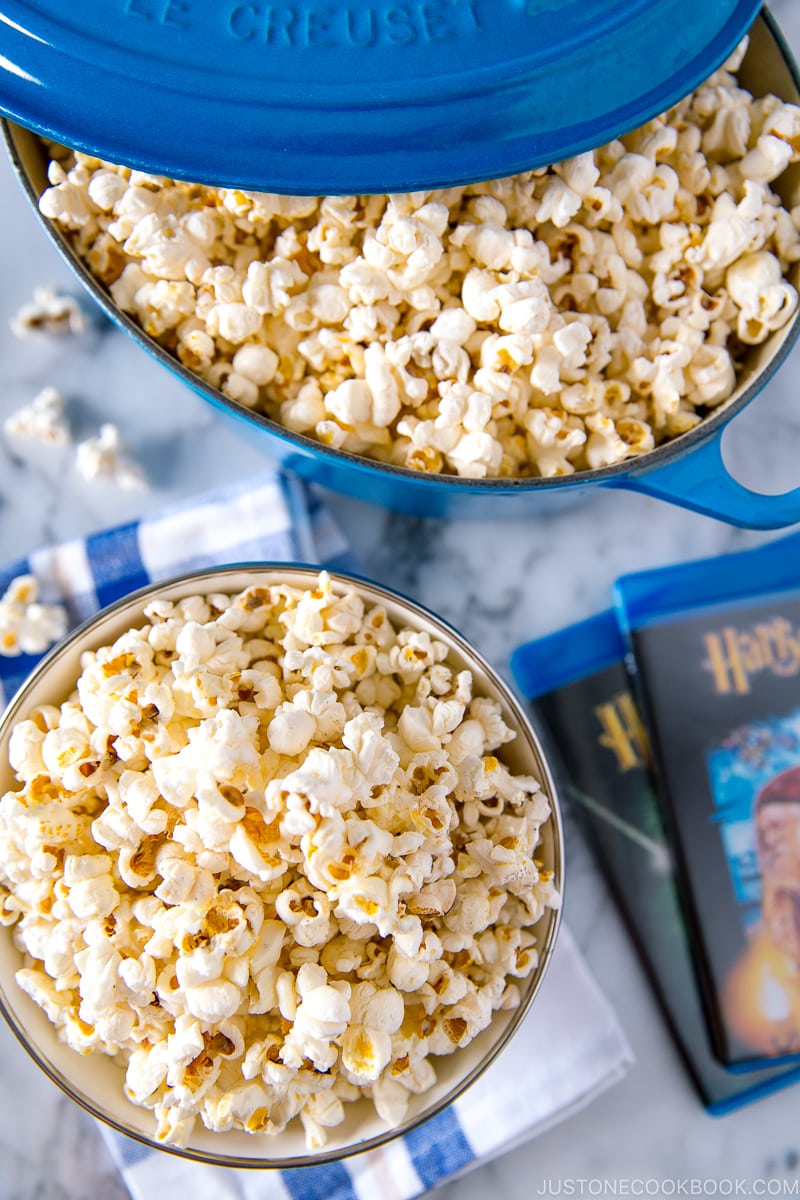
x,y
346,96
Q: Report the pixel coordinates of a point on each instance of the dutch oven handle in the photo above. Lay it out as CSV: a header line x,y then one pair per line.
x,y
700,481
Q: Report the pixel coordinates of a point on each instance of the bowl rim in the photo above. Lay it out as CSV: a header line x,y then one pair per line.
x,y
374,592
708,427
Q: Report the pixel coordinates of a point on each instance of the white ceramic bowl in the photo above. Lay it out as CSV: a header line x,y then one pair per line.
x,y
94,1080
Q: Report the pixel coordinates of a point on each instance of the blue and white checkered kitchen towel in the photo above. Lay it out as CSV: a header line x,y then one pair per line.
x,y
273,518
567,1050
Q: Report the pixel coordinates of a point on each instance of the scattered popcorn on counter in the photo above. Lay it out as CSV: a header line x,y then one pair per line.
x,y
49,312
26,626
42,419
102,458
472,330
267,855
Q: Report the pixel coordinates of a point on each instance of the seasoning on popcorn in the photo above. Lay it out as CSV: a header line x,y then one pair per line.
x,y
266,856
562,320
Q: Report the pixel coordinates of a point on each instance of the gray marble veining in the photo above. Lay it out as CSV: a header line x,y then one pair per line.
x,y
501,584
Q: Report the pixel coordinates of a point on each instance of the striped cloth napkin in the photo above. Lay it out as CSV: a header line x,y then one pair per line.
x,y
570,1044
274,518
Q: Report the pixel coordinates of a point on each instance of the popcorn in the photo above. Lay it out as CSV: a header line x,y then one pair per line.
x,y
357,319
49,312
552,440
102,458
765,301
42,419
26,625
268,894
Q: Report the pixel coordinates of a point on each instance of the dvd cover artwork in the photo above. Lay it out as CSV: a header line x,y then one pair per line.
x,y
720,691
597,740
755,783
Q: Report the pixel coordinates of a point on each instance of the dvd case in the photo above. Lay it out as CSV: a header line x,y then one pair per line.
x,y
581,700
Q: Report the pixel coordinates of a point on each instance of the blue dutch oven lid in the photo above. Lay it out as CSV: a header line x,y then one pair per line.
x,y
342,96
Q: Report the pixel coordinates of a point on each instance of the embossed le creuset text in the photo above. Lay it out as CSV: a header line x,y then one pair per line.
x,y
327,26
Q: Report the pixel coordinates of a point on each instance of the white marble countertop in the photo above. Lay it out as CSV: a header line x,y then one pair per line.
x,y
544,573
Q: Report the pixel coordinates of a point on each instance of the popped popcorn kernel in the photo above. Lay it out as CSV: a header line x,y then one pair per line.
x,y
102,458
50,312
263,898
43,419
26,625
558,321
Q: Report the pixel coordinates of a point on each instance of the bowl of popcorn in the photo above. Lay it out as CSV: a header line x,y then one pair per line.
x,y
481,347
280,866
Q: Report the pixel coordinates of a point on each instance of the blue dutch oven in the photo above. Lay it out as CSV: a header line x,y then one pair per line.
x,y
345,98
